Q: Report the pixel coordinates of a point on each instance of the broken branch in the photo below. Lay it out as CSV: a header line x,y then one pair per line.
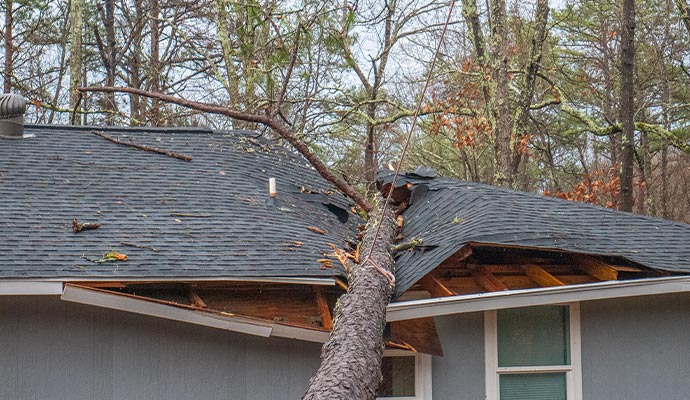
x,y
77,227
144,147
284,131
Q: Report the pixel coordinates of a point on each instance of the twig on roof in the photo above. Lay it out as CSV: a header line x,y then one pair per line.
x,y
144,147
78,227
140,246
191,215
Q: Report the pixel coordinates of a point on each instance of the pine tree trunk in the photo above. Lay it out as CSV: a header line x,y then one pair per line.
x,y
627,103
75,58
9,45
154,78
501,93
111,56
351,358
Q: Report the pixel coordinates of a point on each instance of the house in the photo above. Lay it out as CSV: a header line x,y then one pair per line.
x,y
130,271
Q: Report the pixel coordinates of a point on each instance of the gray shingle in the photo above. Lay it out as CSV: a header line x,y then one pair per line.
x,y
453,213
234,229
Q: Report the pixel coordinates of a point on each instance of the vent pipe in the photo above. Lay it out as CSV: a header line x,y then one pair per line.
x,y
12,108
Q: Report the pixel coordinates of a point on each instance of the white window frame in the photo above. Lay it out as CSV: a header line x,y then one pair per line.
x,y
573,372
422,374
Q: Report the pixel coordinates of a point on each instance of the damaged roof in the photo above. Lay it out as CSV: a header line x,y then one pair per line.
x,y
211,217
446,214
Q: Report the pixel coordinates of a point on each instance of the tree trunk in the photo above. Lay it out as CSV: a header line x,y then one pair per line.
x,y
75,58
9,45
351,358
501,93
474,26
232,83
111,56
154,78
684,10
521,117
627,103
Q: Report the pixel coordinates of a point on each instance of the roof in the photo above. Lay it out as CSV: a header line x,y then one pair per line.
x,y
447,214
210,217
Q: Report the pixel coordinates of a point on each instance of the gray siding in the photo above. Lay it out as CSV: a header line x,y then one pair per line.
x,y
459,374
50,349
636,348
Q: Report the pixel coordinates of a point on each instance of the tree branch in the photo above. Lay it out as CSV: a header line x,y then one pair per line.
x,y
265,120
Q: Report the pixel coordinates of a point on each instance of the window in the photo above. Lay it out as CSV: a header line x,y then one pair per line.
x,y
406,376
533,353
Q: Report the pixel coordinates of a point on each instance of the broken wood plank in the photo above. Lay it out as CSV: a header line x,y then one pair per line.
x,y
435,287
488,281
324,310
541,276
341,284
597,269
419,334
195,299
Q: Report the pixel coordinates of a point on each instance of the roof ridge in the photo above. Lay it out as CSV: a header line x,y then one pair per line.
x,y
559,200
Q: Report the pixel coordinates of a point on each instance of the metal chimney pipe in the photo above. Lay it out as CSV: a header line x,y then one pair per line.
x,y
12,109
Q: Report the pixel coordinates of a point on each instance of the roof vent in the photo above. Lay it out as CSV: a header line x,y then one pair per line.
x,y
12,108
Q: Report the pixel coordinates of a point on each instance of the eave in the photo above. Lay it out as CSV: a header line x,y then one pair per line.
x,y
434,307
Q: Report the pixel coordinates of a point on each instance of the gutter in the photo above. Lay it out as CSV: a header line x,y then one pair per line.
x,y
532,297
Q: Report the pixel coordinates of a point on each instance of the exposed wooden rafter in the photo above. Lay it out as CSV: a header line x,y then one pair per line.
x,y
324,310
487,280
541,276
597,269
195,299
435,287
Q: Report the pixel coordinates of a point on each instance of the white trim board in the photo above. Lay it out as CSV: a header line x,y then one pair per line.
x,y
30,288
114,301
532,297
153,279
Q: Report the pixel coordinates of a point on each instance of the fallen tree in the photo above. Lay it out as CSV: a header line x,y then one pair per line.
x,y
351,358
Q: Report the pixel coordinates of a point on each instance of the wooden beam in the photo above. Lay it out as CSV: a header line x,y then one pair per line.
x,y
541,276
324,310
597,269
487,280
195,299
418,334
340,284
435,287
460,255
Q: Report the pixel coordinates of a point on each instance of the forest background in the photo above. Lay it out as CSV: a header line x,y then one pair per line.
x,y
526,94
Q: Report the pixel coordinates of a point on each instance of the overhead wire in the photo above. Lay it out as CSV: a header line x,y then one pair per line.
x,y
415,116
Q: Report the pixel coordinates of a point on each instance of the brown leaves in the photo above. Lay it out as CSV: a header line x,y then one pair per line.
x,y
599,187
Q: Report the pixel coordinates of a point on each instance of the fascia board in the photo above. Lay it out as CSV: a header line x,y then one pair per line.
x,y
532,297
30,288
123,303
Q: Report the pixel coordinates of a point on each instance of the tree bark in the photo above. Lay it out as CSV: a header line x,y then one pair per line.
x,y
501,93
627,103
154,78
9,45
351,358
684,10
521,116
75,58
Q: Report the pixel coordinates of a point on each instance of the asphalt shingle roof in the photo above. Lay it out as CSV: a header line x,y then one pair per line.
x,y
210,217
453,213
